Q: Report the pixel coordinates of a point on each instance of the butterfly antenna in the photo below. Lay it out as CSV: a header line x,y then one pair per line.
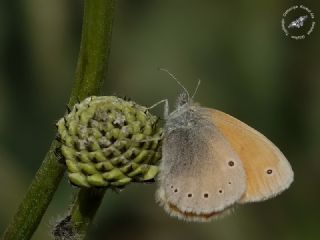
x,y
174,77
196,90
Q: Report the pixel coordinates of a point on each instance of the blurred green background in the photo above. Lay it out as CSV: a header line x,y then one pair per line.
x,y
248,68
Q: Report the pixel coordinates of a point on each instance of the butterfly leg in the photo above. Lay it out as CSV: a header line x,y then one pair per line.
x,y
166,107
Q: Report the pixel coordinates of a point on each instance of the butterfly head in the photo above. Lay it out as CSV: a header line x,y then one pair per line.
x,y
183,100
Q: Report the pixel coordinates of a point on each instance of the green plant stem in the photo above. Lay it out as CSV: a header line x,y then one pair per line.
x,y
84,209
89,78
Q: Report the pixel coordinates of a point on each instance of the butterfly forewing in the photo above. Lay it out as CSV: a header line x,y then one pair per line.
x,y
268,171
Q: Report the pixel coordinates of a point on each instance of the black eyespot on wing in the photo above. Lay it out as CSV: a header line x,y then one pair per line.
x,y
269,171
231,163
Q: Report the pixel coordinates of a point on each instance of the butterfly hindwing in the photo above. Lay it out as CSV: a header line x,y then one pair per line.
x,y
201,175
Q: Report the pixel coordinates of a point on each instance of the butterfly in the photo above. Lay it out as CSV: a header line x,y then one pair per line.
x,y
212,161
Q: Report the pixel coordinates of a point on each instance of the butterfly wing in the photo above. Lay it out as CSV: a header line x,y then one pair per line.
x,y
268,171
200,174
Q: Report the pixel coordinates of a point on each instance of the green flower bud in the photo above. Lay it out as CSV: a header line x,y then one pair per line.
x,y
109,142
